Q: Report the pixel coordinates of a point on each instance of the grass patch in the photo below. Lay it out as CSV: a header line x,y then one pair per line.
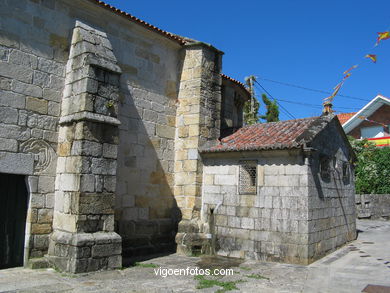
x,y
145,265
257,276
207,283
245,268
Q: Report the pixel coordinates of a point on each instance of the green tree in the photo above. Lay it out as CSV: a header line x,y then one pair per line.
x,y
372,170
251,107
272,114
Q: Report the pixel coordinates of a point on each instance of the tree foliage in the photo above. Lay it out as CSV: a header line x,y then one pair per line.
x,y
372,170
272,114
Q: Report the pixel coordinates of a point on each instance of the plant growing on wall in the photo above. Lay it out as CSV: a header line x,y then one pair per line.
x,y
372,171
272,114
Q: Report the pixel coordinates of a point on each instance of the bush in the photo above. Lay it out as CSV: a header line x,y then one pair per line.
x,y
372,170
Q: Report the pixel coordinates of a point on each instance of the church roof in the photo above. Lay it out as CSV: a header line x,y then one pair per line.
x,y
274,135
132,18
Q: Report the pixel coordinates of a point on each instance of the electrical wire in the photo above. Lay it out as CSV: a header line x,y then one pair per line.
x,y
313,90
281,107
313,105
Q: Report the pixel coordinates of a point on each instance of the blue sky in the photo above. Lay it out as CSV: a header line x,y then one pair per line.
x,y
301,42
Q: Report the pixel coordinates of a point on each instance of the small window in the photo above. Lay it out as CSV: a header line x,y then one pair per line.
x,y
346,172
248,177
325,162
372,131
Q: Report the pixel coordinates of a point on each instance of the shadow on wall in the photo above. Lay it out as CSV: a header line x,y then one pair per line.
x,y
146,211
332,176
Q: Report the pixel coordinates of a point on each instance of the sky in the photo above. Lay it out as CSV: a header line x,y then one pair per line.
x,y
304,43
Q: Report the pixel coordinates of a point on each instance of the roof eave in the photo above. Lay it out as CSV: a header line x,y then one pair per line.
x,y
367,110
140,22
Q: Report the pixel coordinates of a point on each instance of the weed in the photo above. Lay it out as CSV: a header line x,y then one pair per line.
x,y
145,265
257,276
207,283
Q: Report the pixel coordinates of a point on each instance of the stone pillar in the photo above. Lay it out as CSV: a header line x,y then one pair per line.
x,y
83,237
197,124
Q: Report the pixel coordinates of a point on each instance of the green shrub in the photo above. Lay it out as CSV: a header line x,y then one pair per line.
x,y
372,170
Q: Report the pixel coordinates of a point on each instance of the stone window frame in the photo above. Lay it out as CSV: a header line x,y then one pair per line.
x,y
251,164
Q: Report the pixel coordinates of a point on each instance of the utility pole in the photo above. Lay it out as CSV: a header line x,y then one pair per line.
x,y
251,107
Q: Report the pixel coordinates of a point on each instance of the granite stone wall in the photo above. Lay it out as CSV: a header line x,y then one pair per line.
x,y
332,210
35,42
32,72
269,225
372,206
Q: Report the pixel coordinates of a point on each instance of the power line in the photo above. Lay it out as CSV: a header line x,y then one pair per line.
x,y
286,111
313,90
313,105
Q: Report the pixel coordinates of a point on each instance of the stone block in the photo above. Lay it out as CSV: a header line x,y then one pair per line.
x,y
5,83
10,99
17,72
103,166
41,228
165,131
45,216
114,262
51,66
225,179
36,105
190,165
234,222
87,183
271,180
96,203
46,184
24,59
69,182
16,163
109,183
86,148
26,89
52,95
8,115
247,223
10,145
110,151
192,154
41,79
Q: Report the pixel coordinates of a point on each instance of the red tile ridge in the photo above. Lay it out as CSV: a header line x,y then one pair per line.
x,y
239,83
141,22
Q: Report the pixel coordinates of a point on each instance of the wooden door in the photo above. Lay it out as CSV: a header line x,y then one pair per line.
x,y
13,212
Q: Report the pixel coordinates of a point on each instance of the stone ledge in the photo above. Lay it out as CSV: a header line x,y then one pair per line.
x,y
88,116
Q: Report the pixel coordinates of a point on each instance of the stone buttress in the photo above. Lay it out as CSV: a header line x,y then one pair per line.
x,y
197,124
83,237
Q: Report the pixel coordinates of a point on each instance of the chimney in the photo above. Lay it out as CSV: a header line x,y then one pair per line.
x,y
327,108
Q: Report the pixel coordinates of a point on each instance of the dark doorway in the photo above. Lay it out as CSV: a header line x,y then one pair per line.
x,y
13,211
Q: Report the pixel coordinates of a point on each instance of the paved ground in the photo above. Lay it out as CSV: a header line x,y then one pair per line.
x,y
350,269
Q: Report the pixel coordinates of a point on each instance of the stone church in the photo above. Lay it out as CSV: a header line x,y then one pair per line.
x,y
107,125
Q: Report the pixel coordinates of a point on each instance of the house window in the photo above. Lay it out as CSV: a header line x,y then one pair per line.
x,y
248,177
325,162
372,131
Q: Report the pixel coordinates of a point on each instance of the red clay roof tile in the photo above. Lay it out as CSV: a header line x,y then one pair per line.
x,y
130,17
261,136
344,117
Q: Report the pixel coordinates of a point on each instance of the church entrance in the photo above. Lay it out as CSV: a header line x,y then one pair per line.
x,y
13,212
